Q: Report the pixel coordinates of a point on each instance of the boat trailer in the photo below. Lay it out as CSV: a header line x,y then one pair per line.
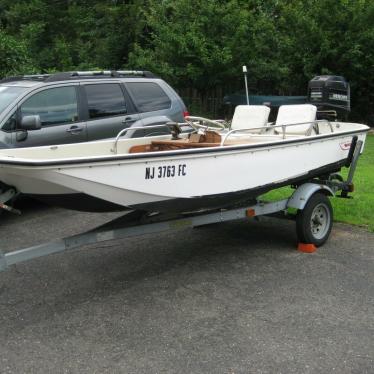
x,y
313,217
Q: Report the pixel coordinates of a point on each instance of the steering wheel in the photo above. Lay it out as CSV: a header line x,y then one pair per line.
x,y
195,123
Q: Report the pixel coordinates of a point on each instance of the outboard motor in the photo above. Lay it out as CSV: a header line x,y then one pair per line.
x,y
331,95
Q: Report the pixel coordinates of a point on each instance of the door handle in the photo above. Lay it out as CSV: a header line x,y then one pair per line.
x,y
128,119
74,130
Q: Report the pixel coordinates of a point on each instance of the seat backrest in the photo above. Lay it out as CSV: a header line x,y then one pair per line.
x,y
299,113
250,116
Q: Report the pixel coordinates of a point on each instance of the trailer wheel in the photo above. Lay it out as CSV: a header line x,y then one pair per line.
x,y
314,222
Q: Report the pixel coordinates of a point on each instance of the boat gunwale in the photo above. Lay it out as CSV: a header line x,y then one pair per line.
x,y
158,154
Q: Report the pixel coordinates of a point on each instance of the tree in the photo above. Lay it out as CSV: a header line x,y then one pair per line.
x,y
199,44
331,37
193,43
67,35
14,57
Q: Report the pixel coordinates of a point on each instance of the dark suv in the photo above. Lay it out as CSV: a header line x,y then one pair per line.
x,y
83,106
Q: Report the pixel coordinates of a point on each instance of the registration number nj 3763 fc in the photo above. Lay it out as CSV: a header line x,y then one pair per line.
x,y
169,171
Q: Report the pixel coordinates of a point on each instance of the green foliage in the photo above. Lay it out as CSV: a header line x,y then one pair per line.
x,y
284,44
64,35
331,37
14,57
199,44
204,44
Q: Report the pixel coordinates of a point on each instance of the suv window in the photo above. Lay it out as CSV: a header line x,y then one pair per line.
x,y
8,94
55,106
105,100
149,96
10,123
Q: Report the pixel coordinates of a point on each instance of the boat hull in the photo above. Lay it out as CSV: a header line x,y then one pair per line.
x,y
84,202
180,181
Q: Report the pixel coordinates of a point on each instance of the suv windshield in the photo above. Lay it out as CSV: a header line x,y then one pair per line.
x,y
8,94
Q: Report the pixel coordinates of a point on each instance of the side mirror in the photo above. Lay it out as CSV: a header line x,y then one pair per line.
x,y
31,123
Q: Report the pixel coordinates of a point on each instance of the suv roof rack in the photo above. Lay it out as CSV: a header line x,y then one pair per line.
x,y
36,77
73,75
99,74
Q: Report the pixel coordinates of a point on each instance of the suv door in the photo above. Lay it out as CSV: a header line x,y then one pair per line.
x,y
57,108
108,111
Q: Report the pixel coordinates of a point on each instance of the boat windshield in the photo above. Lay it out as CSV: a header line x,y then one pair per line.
x,y
8,94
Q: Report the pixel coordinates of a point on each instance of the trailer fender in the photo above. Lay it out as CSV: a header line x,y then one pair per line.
x,y
303,193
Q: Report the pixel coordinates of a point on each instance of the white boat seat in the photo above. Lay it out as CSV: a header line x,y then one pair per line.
x,y
250,117
300,113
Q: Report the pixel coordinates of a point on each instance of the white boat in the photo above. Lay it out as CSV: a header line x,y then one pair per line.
x,y
160,173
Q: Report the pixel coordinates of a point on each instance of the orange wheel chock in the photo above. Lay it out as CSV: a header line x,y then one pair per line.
x,y
306,248
250,212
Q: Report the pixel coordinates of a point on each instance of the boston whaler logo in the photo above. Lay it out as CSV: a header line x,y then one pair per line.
x,y
345,145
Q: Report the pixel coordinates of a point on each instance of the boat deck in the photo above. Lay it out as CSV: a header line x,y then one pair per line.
x,y
187,143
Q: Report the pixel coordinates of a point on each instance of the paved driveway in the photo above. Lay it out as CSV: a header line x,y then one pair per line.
x,y
227,298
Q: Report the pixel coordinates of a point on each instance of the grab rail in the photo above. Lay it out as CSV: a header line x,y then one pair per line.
x,y
229,133
123,131
312,123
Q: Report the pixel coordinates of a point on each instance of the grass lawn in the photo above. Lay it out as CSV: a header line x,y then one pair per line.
x,y
360,209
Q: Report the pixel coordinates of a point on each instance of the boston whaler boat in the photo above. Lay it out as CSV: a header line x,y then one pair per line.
x,y
190,173
160,173
212,169
195,171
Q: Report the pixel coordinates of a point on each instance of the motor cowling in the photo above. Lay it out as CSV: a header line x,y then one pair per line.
x,y
331,94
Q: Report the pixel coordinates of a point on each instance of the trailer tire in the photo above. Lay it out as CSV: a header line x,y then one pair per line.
x,y
314,222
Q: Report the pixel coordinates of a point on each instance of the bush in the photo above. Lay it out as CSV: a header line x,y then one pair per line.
x,y
14,56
